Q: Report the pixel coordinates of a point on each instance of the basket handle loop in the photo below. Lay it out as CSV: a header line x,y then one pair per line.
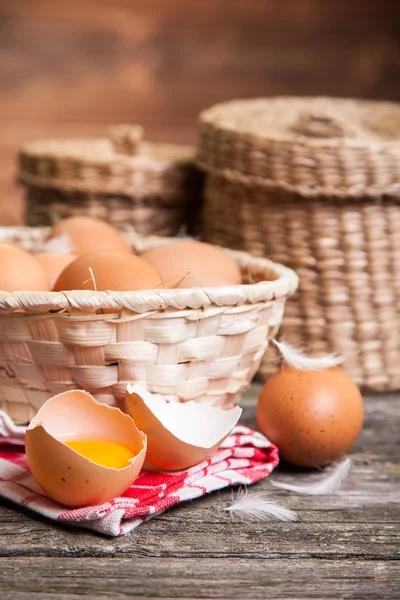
x,y
126,138
324,125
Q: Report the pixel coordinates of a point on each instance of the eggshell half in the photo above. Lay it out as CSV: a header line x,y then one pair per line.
x,y
65,475
178,435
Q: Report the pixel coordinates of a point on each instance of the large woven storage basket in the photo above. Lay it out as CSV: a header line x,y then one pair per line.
x,y
315,183
154,188
201,344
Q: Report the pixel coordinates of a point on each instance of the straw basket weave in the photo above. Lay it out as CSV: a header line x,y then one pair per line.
x,y
155,188
315,183
202,344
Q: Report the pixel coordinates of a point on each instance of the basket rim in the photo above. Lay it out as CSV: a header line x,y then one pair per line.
x,y
285,284
47,149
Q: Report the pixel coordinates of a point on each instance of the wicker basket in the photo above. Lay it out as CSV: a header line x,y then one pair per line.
x,y
315,183
155,188
195,344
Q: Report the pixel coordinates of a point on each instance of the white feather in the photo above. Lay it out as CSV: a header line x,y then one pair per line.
x,y
297,359
255,507
58,245
329,485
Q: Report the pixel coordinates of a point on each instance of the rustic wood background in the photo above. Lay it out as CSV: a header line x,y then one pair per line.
x,y
343,545
73,68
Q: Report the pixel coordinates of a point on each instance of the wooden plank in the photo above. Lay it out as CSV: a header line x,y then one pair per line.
x,y
344,545
73,70
154,62
205,532
101,578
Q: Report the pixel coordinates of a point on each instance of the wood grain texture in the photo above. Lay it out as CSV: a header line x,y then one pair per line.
x,y
71,70
48,578
345,545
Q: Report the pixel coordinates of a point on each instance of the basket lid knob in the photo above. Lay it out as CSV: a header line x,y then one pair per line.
x,y
126,138
323,125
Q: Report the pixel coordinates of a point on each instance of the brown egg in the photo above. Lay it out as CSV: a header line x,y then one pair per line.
x,y
312,416
114,271
20,271
53,264
191,281
86,234
186,257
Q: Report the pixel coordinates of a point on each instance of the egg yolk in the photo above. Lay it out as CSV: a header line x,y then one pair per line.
x,y
106,454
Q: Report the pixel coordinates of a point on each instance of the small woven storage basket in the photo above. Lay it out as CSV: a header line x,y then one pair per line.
x,y
202,344
315,183
154,188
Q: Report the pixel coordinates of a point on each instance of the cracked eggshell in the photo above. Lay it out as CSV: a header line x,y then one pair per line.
x,y
65,475
179,435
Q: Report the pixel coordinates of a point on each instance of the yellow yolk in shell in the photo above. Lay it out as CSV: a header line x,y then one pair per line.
x,y
106,454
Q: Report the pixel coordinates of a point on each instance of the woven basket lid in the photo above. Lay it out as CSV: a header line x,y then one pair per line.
x,y
121,164
313,146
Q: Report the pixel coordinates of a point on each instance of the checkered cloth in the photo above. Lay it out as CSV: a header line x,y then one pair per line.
x,y
245,457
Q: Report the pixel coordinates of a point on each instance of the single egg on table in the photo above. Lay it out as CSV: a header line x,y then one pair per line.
x,y
177,260
81,452
86,234
107,270
20,271
313,417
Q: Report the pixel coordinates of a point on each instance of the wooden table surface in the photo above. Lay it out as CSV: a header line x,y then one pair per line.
x,y
342,546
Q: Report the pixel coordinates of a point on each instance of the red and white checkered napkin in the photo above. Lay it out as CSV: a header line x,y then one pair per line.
x,y
245,457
